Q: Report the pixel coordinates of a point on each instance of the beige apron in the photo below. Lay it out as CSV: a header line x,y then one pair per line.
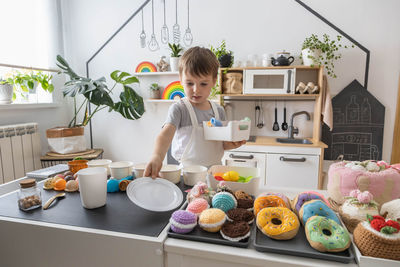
x,y
197,151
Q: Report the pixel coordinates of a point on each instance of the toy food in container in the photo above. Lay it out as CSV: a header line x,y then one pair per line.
x,y
121,169
76,165
193,174
171,173
248,181
227,130
100,163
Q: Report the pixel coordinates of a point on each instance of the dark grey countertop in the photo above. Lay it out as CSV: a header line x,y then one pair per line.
x,y
119,214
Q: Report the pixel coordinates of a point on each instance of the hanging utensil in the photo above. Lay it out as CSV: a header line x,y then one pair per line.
x,y
259,117
164,30
275,127
284,123
153,44
142,34
175,29
188,37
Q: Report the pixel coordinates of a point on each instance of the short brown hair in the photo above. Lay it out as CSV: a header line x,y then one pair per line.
x,y
199,61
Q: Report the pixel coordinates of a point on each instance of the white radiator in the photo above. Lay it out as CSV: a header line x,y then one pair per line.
x,y
20,150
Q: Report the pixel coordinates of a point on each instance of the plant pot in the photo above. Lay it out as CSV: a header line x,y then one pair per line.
x,y
225,61
174,63
65,140
307,53
6,93
155,94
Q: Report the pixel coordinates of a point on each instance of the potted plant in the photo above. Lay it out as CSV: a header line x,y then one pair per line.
x,y
322,52
96,93
6,90
154,91
175,54
224,56
26,82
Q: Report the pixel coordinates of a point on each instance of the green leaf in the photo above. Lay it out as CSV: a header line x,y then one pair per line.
x,y
369,218
130,80
114,74
31,84
131,105
388,230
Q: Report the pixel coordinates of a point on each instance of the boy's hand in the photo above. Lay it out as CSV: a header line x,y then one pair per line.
x,y
233,145
153,167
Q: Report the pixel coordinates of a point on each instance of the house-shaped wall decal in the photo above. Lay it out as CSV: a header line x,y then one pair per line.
x,y
358,122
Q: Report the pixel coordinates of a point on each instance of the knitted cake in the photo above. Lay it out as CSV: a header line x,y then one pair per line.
x,y
378,238
380,179
391,210
356,207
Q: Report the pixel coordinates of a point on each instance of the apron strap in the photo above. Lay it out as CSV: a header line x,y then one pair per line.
x,y
189,107
215,109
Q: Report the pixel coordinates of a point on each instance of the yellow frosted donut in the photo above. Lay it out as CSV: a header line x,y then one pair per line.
x,y
268,201
278,223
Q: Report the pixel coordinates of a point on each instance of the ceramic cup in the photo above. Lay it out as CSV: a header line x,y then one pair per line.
x,y
100,163
193,174
138,169
93,187
121,169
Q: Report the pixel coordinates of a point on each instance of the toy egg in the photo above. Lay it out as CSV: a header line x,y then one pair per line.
x,y
112,186
48,184
71,186
59,185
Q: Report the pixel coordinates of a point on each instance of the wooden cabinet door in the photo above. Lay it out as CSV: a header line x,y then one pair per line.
x,y
292,170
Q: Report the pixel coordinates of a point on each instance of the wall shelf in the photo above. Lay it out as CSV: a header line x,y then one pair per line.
x,y
158,73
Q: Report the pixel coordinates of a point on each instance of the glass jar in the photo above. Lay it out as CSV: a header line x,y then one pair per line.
x,y
29,196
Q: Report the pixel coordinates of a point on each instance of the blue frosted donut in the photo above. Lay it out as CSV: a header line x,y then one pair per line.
x,y
317,208
224,201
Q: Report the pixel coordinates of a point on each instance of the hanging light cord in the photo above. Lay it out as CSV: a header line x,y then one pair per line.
x,y
142,21
176,11
188,13
152,13
164,13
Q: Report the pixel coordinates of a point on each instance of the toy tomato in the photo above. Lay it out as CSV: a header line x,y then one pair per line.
x,y
231,176
218,178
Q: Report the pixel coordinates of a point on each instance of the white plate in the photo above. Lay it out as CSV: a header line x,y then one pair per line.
x,y
154,194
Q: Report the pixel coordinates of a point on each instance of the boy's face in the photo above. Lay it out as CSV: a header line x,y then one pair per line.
x,y
197,89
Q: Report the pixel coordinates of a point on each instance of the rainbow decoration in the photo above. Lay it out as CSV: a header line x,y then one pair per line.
x,y
173,90
146,66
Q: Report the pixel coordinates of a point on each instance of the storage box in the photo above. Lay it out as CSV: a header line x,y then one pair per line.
x,y
250,188
366,261
229,131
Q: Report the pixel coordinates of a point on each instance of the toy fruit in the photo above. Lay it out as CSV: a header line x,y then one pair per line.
x,y
231,176
59,185
218,178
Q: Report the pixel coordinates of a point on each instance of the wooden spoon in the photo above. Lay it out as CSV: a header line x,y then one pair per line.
x,y
48,203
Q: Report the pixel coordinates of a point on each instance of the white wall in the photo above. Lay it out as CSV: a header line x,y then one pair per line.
x,y
249,27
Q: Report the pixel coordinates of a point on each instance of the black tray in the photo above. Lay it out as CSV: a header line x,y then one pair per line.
x,y
298,246
199,234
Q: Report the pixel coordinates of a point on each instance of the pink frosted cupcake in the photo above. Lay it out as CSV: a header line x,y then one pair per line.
x,y
197,206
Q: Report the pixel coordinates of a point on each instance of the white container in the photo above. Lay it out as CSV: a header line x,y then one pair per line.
x,y
93,187
250,187
171,173
229,131
193,174
308,52
6,93
100,163
138,169
121,169
174,63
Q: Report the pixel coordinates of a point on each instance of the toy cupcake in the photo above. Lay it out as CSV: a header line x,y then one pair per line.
x,y
183,221
235,231
197,206
240,215
224,201
211,220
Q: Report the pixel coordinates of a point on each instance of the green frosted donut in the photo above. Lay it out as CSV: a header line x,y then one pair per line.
x,y
325,234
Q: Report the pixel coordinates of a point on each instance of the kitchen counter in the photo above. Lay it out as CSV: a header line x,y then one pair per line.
x,y
34,242
271,141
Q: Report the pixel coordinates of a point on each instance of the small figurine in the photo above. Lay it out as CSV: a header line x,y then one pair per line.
x,y
162,65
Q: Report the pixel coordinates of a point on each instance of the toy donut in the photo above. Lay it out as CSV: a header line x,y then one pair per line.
x,y
303,197
278,223
325,235
316,207
284,197
267,201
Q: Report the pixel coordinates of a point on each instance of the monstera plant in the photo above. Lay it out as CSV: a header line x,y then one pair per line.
x,y
96,93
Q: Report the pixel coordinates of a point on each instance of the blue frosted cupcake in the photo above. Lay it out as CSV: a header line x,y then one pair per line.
x,y
224,201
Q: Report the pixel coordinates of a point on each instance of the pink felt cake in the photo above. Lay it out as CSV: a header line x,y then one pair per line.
x,y
380,179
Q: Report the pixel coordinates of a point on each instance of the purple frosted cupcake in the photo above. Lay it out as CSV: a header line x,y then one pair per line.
x,y
183,221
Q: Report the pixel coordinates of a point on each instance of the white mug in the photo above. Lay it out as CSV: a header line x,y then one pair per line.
x,y
93,187
121,169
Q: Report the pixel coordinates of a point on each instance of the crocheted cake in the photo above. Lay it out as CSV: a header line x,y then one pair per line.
x,y
356,207
391,210
378,238
382,181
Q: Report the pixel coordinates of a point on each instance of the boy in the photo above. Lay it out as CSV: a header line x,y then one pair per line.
x,y
198,70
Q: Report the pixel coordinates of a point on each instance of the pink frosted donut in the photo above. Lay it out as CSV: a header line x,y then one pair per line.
x,y
383,185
